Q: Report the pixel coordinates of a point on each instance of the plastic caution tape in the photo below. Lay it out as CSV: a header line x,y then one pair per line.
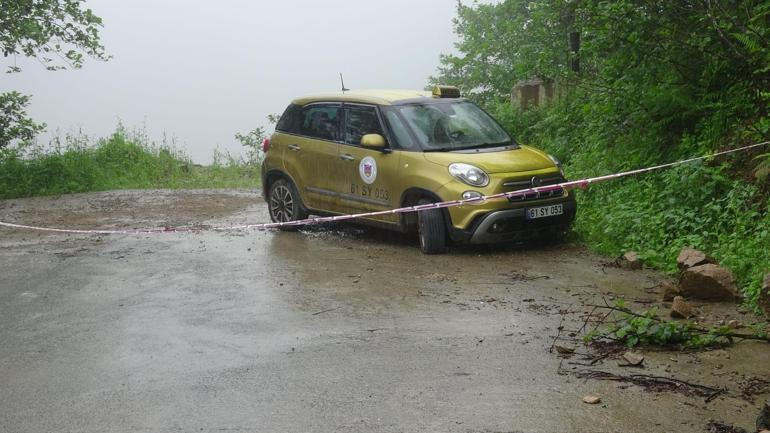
x,y
582,183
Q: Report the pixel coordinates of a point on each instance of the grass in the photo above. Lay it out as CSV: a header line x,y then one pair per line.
x,y
125,160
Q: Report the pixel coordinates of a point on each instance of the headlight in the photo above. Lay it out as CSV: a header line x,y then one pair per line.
x,y
557,164
469,174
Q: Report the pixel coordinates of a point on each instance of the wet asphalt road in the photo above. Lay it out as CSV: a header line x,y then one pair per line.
x,y
336,330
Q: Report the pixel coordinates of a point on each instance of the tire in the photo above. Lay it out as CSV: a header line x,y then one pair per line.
x,y
284,204
431,230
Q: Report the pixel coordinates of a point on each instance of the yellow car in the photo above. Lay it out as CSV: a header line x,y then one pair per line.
x,y
362,151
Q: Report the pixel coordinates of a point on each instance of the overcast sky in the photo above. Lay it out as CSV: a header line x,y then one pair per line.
x,y
203,70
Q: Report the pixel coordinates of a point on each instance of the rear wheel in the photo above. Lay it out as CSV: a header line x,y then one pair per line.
x,y
285,205
431,230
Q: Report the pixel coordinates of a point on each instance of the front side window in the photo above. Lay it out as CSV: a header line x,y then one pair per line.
x,y
454,125
401,132
359,121
321,121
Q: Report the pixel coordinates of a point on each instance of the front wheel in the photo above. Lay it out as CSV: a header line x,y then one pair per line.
x,y
431,230
285,205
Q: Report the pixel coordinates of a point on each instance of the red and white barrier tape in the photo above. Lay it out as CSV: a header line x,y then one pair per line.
x,y
583,183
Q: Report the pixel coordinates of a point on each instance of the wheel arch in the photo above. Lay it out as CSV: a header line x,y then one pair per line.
x,y
411,197
273,175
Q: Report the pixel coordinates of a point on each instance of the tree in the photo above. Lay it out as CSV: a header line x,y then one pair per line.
x,y
14,124
58,33
667,69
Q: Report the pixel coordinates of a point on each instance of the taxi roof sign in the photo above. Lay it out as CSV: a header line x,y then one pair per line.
x,y
446,92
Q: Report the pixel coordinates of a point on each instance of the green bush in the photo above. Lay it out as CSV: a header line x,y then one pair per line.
x,y
707,205
122,161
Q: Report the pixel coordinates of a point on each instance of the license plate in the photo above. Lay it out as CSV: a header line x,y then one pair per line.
x,y
544,211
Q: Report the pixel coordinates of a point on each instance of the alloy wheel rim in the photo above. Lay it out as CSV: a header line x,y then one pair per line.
x,y
281,204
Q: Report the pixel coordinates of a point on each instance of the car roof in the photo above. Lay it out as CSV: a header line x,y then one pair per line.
x,y
376,97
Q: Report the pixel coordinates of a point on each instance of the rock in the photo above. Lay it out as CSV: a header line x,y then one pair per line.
x,y
681,309
709,281
714,426
632,359
592,399
690,257
734,324
630,260
763,420
670,291
764,296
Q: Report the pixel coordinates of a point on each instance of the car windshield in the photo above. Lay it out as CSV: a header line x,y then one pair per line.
x,y
451,125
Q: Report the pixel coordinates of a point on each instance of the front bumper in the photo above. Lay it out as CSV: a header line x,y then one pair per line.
x,y
511,225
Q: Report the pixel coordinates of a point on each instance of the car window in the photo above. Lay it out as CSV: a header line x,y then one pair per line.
x,y
360,121
321,121
290,120
400,130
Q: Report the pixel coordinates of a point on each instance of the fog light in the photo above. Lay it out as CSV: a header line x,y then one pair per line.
x,y
471,195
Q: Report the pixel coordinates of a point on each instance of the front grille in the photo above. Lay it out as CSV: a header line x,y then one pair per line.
x,y
515,185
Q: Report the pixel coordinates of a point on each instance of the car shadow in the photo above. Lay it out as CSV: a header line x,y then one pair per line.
x,y
374,235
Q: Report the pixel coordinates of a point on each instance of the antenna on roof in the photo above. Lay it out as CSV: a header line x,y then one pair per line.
x,y
344,89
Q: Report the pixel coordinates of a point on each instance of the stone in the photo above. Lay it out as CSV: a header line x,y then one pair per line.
x,y
708,282
763,420
690,257
632,359
764,296
680,309
734,324
670,291
630,260
592,399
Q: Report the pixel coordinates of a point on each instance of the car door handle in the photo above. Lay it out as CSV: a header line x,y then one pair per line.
x,y
347,157
294,147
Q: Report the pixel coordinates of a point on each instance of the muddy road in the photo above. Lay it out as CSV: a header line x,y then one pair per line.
x,y
338,329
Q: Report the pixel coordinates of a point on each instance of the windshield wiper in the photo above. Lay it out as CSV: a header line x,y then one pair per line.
x,y
473,146
498,144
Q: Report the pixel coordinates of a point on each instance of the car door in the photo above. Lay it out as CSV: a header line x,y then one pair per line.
x,y
311,154
366,177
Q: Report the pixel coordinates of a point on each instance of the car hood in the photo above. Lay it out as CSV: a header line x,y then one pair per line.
x,y
524,158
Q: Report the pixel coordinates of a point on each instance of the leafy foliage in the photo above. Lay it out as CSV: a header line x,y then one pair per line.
x,y
646,329
658,81
56,32
252,141
15,126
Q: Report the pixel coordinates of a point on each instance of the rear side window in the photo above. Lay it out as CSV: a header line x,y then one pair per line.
x,y
320,121
359,121
290,120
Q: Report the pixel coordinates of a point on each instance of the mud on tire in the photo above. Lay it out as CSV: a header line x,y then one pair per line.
x,y
431,230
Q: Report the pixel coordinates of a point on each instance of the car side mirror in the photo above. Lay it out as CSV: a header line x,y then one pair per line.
x,y
374,141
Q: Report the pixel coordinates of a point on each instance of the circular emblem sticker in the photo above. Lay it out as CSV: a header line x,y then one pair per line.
x,y
368,170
